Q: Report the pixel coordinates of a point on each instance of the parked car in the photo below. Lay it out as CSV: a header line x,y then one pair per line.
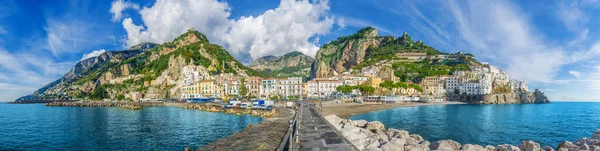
x,y
229,105
269,107
246,105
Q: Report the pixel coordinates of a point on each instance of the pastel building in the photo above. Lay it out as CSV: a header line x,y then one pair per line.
x,y
322,87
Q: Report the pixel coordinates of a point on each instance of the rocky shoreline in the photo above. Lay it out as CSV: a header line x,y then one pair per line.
x,y
374,136
139,105
105,104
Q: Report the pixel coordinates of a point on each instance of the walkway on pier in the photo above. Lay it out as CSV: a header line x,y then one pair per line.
x,y
316,134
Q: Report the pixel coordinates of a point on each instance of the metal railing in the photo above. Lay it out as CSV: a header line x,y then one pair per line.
x,y
287,143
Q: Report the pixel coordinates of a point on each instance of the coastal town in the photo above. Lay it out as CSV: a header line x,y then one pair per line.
x,y
484,79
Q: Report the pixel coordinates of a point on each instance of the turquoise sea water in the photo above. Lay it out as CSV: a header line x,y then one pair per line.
x,y
36,127
548,124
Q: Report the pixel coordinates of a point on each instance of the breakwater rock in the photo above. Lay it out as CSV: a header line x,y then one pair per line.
x,y
502,98
128,105
217,108
366,135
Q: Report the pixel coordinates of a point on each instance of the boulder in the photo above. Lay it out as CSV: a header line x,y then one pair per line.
x,y
529,146
490,148
566,145
360,123
346,121
445,145
395,144
471,147
424,142
506,147
375,127
353,133
584,147
369,143
381,137
596,135
397,133
593,142
417,137
412,141
417,147
547,148
374,149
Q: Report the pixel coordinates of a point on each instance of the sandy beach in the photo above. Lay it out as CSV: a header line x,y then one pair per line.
x,y
345,110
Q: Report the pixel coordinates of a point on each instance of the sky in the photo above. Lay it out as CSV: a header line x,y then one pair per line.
x,y
550,44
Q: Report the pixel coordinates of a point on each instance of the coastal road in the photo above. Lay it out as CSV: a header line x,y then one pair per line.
x,y
316,134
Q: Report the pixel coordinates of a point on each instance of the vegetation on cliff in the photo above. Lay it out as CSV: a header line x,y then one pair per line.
x,y
146,68
365,48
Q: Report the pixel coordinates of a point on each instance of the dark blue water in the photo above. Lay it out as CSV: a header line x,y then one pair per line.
x,y
36,127
548,124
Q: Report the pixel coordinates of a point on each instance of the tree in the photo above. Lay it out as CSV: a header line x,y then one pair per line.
x,y
243,91
365,89
344,88
401,85
456,91
274,97
416,87
387,84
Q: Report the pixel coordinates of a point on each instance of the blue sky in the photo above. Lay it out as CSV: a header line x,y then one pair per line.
x,y
551,44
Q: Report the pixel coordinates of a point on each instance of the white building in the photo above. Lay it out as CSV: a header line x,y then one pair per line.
x,y
289,86
268,87
518,86
322,87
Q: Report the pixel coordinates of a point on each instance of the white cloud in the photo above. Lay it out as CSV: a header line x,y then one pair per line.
x,y
575,73
289,27
94,53
117,7
22,73
341,22
284,29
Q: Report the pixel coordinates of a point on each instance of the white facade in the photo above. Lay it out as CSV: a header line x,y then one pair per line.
x,y
322,87
289,86
268,87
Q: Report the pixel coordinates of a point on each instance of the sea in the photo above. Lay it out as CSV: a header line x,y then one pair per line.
x,y
547,124
37,127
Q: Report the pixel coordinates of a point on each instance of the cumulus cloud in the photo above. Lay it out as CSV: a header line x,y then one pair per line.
x,y
167,19
575,73
117,7
94,53
275,32
289,27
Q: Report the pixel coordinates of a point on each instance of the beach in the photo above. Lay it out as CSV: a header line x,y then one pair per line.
x,y
345,110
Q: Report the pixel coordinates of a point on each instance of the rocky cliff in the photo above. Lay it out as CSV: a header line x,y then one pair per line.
x,y
502,98
364,46
291,64
149,69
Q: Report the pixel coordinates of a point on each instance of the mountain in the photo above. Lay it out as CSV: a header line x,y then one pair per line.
x,y
150,69
291,64
367,49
